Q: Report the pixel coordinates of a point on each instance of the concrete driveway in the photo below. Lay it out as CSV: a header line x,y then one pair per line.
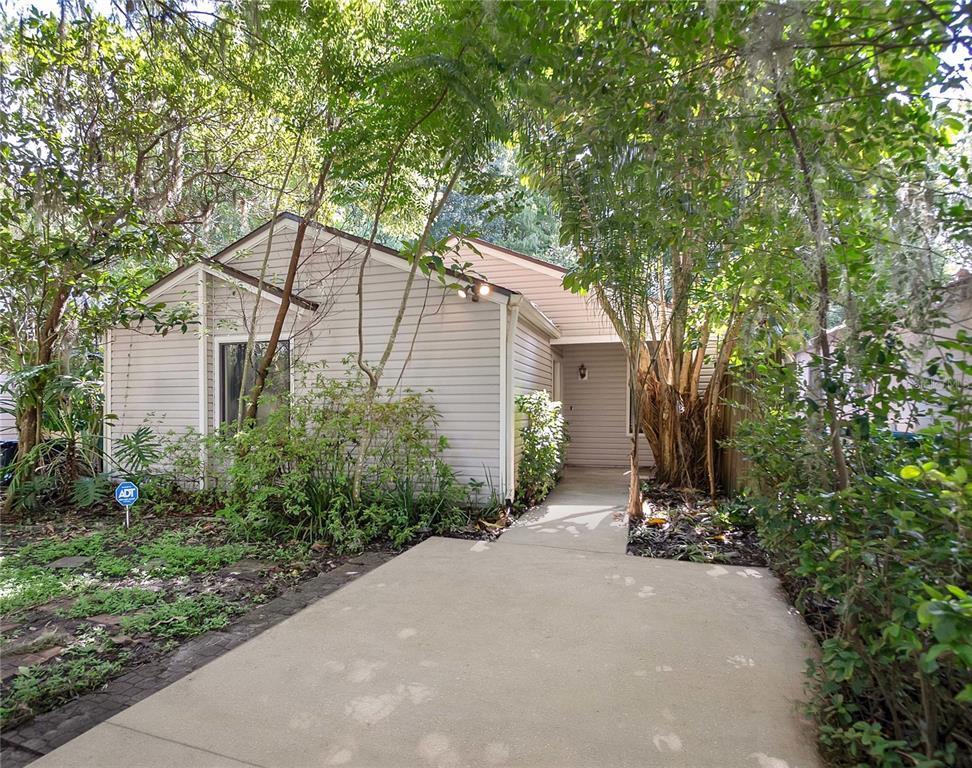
x,y
530,651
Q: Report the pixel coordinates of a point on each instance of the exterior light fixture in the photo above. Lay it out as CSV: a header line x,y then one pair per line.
x,y
483,289
462,293
582,372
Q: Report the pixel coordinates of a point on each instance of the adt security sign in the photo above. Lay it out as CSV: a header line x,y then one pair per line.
x,y
126,494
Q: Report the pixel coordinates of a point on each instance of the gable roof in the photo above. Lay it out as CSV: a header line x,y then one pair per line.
x,y
218,267
383,251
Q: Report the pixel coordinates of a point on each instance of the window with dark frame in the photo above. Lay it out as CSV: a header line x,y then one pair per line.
x,y
231,358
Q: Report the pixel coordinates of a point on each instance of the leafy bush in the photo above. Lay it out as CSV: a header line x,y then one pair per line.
x,y
543,438
66,466
882,569
292,475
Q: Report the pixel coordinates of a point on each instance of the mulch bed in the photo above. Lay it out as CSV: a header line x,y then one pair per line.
x,y
684,524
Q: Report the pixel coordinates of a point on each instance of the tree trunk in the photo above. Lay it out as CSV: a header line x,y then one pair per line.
x,y
30,424
635,511
817,227
260,375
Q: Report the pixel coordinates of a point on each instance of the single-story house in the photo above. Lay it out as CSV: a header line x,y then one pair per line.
x,y
515,329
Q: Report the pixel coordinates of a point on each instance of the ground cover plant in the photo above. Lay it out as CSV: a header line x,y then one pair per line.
x,y
68,630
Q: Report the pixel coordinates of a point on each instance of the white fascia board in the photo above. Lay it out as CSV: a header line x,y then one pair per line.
x,y
176,278
551,271
606,338
398,262
255,238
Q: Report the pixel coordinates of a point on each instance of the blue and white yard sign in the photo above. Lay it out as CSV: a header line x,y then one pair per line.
x,y
126,494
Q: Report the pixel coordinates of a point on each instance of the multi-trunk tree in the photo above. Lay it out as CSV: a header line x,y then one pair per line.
x,y
723,170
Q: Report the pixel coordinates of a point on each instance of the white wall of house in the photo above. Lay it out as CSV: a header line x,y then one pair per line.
x,y
454,349
153,379
596,407
926,348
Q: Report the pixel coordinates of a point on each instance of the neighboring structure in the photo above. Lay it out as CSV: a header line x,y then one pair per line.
x,y
953,315
8,424
515,330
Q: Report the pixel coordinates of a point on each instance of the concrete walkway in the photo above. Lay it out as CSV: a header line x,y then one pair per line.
x,y
586,511
550,647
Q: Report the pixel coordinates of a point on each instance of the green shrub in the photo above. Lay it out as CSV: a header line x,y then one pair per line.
x,y
291,476
880,570
543,438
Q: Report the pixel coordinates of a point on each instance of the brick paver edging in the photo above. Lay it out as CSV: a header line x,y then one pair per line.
x,y
21,745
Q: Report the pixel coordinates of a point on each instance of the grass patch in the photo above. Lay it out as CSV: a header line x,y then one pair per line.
x,y
42,687
121,600
176,558
44,552
183,618
112,566
26,587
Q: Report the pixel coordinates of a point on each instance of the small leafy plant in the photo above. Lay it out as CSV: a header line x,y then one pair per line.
x,y
43,687
119,600
169,555
543,438
183,618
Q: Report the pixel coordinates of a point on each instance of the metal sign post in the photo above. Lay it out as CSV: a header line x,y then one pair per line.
x,y
126,494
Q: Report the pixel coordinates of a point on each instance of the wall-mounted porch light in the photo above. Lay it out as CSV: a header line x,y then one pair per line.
x,y
474,291
582,372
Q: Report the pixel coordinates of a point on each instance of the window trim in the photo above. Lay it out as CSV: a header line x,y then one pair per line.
x,y
238,338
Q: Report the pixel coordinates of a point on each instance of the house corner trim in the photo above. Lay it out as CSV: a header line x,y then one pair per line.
x,y
202,288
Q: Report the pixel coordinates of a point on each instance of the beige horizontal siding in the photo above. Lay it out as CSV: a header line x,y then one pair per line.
x,y
8,424
155,378
596,408
454,343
